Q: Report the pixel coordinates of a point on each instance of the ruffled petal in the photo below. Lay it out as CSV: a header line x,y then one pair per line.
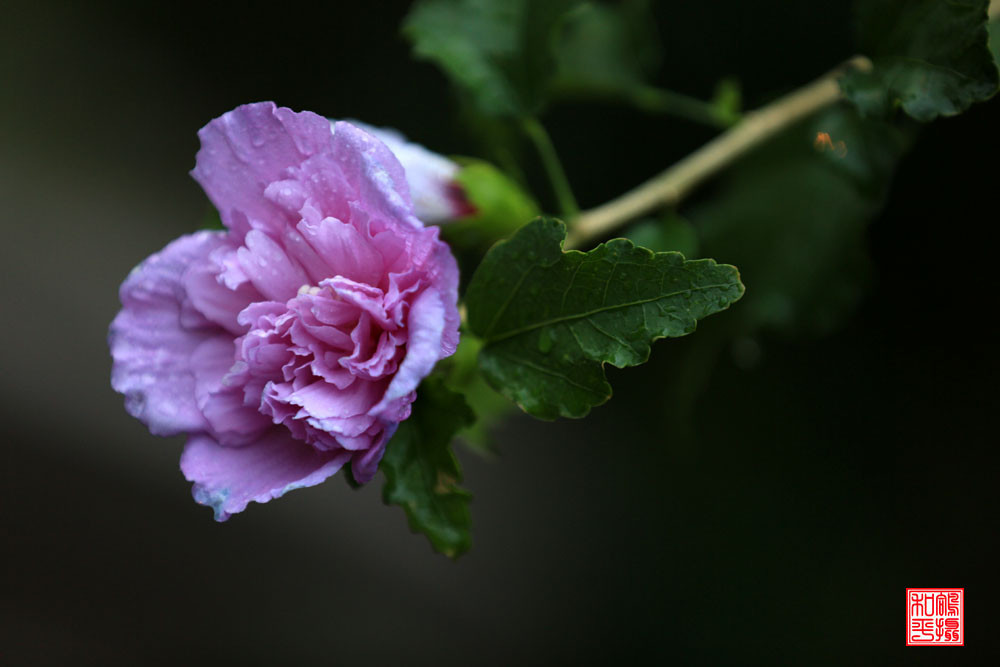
x,y
231,421
245,150
275,275
300,250
446,282
431,177
219,290
345,250
228,478
150,346
367,298
364,464
323,401
425,329
375,175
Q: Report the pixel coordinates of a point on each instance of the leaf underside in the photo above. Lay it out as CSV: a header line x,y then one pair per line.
x,y
550,319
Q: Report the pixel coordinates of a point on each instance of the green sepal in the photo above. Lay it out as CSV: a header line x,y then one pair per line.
x,y
501,207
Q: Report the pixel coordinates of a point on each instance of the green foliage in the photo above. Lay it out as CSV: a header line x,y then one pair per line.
x,y
422,473
793,214
512,57
550,319
501,206
497,51
669,233
994,29
463,376
931,57
471,41
605,49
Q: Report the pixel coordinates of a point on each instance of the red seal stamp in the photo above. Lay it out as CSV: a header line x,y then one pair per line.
x,y
935,617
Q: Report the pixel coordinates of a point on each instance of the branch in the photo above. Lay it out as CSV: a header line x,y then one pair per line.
x,y
675,183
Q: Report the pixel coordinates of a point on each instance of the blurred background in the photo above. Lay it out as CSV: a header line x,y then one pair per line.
x,y
771,510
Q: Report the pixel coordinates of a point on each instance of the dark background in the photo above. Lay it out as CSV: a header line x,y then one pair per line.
x,y
814,486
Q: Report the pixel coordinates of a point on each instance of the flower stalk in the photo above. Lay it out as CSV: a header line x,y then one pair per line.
x,y
553,167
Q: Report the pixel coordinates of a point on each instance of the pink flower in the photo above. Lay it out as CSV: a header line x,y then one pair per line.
x,y
293,343
437,195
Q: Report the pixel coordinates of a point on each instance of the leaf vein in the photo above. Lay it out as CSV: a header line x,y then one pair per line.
x,y
611,335
595,311
510,297
548,371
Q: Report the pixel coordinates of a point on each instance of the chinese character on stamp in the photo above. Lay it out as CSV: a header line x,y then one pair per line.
x,y
935,616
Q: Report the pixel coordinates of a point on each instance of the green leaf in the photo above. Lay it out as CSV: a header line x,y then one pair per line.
x,y
793,216
550,319
501,206
422,473
671,233
994,29
931,57
606,49
497,51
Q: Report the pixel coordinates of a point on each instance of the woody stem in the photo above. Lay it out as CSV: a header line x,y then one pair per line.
x,y
672,185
